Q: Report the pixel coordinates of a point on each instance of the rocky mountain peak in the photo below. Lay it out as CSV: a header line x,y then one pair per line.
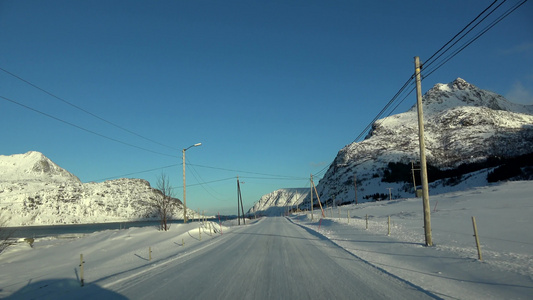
x,y
460,93
31,165
457,84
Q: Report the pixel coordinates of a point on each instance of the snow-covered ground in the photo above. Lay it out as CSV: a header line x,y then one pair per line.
x,y
449,270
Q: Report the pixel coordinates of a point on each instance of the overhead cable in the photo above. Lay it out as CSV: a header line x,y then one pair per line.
x,y
201,181
139,172
247,172
212,181
477,36
83,110
429,62
84,129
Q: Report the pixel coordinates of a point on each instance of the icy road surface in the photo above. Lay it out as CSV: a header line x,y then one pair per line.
x,y
272,259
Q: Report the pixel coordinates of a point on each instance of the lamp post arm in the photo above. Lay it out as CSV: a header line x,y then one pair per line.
x,y
184,186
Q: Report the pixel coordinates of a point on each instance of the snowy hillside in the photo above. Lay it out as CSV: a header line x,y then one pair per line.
x,y
36,191
277,202
463,125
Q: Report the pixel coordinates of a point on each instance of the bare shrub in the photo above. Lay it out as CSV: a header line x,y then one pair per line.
x,y
164,204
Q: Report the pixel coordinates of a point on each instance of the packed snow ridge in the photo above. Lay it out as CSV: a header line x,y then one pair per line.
x,y
36,191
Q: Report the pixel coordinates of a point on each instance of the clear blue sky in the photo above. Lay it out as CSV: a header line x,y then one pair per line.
x,y
268,87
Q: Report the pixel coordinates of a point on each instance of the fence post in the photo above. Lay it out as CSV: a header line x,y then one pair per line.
x,y
389,226
366,218
149,253
200,231
81,270
348,216
477,239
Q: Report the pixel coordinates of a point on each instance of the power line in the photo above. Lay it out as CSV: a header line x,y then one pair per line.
x,y
200,179
391,101
271,178
84,129
139,172
206,182
203,184
428,62
473,39
381,120
246,172
83,110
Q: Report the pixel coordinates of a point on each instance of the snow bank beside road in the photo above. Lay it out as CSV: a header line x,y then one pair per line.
x,y
450,269
51,267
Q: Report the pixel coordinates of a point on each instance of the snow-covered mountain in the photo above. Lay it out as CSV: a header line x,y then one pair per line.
x,y
465,127
277,202
36,191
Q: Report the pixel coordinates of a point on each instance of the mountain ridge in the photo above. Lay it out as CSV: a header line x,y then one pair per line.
x,y
463,124
459,93
36,191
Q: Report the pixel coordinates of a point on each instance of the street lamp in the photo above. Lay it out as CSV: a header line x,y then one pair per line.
x,y
184,193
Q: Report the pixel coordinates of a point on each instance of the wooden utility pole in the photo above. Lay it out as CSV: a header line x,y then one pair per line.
x,y
239,204
355,185
423,166
317,197
184,187
311,194
242,209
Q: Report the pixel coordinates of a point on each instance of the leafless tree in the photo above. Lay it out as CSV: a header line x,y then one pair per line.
x,y
164,203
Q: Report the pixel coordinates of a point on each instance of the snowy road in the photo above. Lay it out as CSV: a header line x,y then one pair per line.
x,y
273,259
